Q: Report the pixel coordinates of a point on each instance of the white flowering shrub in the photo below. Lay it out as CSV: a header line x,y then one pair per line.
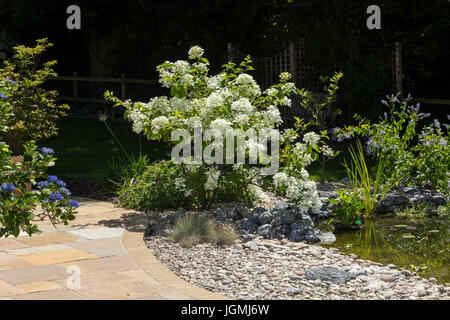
x,y
230,102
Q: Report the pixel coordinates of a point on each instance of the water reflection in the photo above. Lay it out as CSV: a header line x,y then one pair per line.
x,y
423,244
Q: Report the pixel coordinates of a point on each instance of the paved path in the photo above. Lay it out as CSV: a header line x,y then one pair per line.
x,y
105,246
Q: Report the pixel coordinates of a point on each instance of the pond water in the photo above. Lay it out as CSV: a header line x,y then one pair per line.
x,y
419,245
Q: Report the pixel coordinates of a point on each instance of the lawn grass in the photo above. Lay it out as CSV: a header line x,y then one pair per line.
x,y
84,148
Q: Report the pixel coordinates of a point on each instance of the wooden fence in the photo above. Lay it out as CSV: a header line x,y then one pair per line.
x,y
75,79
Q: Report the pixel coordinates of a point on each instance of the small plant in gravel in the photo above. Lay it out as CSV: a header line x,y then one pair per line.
x,y
195,229
347,210
224,236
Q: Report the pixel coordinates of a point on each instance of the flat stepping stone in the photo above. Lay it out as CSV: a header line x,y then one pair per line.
x,y
328,274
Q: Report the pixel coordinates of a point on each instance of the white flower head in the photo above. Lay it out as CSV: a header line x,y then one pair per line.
x,y
196,52
311,138
159,123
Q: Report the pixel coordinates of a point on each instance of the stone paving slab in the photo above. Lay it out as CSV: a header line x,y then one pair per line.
x,y
98,233
49,239
59,294
11,244
106,247
30,250
11,262
106,244
55,257
39,286
33,274
8,290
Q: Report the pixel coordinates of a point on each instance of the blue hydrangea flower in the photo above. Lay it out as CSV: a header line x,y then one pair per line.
x,y
65,191
47,150
56,197
52,179
7,187
73,203
61,183
43,184
3,96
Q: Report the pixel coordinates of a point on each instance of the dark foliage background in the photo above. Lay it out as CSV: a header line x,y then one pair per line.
x,y
133,36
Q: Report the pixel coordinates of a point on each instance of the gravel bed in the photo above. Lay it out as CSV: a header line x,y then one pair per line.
x,y
257,268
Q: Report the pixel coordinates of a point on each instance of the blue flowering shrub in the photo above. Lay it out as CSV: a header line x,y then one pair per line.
x,y
18,204
418,157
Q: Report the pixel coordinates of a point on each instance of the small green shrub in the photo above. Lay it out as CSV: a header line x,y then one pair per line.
x,y
34,110
347,210
161,186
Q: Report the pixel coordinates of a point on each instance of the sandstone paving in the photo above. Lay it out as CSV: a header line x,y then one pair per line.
x,y
33,274
39,286
40,267
11,244
9,262
55,257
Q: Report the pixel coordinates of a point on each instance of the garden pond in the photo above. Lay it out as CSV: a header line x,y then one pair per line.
x,y
420,245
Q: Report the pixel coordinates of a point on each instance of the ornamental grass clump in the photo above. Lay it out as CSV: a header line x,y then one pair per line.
x,y
190,228
195,229
372,190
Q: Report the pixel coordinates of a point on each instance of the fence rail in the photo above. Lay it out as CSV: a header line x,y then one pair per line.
x,y
122,80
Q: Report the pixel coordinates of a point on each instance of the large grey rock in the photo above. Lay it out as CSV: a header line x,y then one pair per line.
x,y
281,231
280,205
303,229
288,216
265,231
249,226
329,274
422,198
326,237
410,190
439,200
257,212
221,214
265,218
235,213
277,221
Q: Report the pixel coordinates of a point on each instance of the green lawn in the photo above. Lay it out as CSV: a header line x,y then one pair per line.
x,y
84,148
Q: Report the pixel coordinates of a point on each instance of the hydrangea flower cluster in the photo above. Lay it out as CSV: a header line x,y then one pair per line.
x,y
18,204
7,187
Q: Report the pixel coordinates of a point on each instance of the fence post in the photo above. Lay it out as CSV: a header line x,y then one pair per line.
x,y
75,87
398,67
292,59
123,85
229,50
